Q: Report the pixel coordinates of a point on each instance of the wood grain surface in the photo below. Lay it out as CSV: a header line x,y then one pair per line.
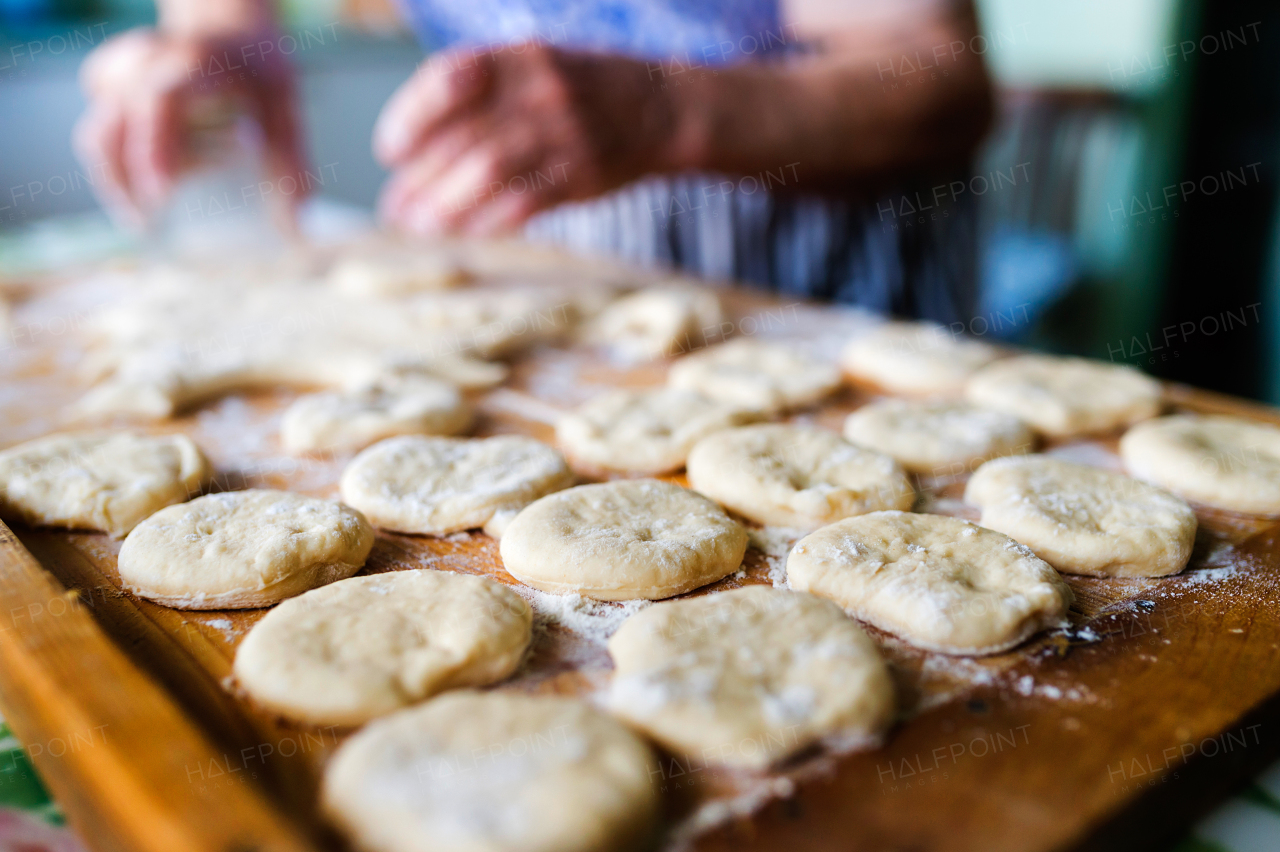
x,y
1114,734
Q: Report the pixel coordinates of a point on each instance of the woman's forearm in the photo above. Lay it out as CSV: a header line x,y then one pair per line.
x,y
884,105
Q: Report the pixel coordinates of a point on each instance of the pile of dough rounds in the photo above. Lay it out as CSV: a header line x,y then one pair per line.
x,y
1084,520
745,678
1066,397
338,421
243,549
364,647
1219,461
756,376
437,486
941,583
749,677
795,476
494,771
657,322
623,540
915,358
105,481
641,432
937,437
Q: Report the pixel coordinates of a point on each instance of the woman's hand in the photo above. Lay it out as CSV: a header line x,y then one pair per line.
x,y
481,140
143,85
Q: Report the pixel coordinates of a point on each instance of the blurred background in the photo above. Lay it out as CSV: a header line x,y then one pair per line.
x,y
1130,212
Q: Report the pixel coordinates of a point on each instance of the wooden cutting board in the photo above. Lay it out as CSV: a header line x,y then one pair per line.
x,y
1160,701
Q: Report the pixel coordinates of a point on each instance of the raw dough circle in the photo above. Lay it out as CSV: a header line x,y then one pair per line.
x,y
657,322
795,476
942,584
623,540
1225,462
754,375
98,480
388,271
363,647
436,486
243,549
1065,397
351,421
493,771
937,437
749,677
1084,520
916,358
641,431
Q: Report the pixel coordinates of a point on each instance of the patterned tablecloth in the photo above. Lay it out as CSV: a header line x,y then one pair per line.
x,y
30,821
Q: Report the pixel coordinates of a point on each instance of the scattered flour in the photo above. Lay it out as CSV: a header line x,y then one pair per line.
x,y
1220,556
522,405
719,811
1086,634
590,619
1087,452
775,543
1208,575
1026,685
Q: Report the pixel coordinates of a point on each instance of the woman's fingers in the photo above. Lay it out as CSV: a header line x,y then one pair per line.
x,y
441,88
151,146
455,195
276,115
420,173
503,214
486,188
99,139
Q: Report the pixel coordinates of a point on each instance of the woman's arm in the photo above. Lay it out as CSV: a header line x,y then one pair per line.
x,y
480,139
879,96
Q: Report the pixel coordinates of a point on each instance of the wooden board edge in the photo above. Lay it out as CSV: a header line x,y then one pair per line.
x,y
111,744
1169,809
1211,402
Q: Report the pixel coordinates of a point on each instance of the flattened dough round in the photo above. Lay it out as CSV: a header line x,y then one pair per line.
x,y
243,549
1084,520
942,584
107,481
795,476
754,375
937,437
624,540
388,271
1226,462
642,432
363,647
749,677
493,771
917,358
657,322
436,486
1065,397
353,420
